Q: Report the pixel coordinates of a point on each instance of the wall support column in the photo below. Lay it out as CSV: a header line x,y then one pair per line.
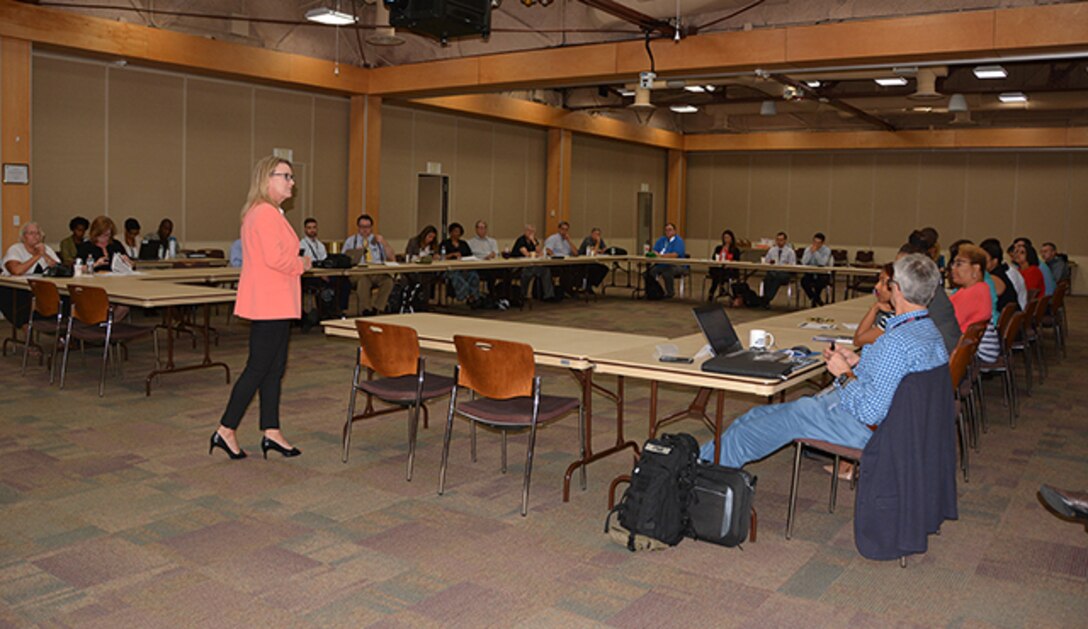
x,y
14,132
557,204
676,190
364,159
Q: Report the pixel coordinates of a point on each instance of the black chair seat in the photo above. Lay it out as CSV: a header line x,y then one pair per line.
x,y
832,448
402,389
119,332
517,411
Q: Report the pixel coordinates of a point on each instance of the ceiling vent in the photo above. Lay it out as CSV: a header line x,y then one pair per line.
x,y
926,82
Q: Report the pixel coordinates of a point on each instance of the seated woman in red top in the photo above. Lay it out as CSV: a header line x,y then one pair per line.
x,y
971,300
1025,257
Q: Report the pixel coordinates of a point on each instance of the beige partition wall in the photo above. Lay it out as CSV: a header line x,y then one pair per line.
x,y
874,199
606,177
496,171
128,142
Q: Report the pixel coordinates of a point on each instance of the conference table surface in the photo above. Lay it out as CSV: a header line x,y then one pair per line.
x,y
134,290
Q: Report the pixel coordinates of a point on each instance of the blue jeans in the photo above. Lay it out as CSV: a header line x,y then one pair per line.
x,y
764,429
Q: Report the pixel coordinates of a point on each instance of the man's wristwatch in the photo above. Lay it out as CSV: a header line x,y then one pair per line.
x,y
844,378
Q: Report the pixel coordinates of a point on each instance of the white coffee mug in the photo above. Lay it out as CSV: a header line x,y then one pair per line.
x,y
760,339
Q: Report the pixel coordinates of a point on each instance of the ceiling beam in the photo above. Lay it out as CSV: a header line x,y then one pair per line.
x,y
841,105
647,23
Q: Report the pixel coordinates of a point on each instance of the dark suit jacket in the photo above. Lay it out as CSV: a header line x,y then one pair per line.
x,y
907,486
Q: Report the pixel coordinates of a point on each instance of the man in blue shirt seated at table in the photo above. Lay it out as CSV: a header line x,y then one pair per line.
x,y
848,412
671,245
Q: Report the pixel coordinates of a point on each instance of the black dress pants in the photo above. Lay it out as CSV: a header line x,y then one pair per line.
x,y
814,285
264,372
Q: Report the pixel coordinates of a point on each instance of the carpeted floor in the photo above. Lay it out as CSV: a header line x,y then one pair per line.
x,y
112,514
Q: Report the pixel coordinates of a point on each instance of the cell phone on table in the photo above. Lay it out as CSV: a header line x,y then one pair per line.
x,y
677,359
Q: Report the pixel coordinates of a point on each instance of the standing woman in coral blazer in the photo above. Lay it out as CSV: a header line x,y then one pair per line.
x,y
270,296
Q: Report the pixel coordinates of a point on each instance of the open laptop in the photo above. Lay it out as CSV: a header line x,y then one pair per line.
x,y
731,358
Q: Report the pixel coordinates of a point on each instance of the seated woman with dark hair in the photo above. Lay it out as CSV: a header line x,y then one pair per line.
x,y
1026,258
719,275
465,284
1003,285
872,324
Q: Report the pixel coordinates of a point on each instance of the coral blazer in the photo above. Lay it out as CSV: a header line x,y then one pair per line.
x,y
269,286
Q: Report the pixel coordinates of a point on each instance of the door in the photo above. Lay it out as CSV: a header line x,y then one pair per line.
x,y
432,204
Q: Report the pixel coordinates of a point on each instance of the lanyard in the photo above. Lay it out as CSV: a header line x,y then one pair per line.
x,y
909,320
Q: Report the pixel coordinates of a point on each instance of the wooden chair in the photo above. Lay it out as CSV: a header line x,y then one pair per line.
x,y
392,351
1020,343
958,364
1055,318
503,374
45,316
1035,334
91,321
1007,329
972,384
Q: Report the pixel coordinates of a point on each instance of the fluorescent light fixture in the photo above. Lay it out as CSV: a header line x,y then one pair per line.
x,y
696,89
710,88
626,92
895,81
684,109
1012,97
330,17
990,72
813,84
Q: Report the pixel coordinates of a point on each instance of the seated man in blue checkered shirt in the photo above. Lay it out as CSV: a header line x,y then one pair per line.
x,y
848,412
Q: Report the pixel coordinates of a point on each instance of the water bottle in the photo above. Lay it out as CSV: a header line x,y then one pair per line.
x,y
77,267
172,249
442,253
90,265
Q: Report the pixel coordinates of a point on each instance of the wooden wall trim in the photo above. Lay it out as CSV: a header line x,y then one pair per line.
x,y
14,132
676,187
560,150
372,178
519,111
1059,138
71,31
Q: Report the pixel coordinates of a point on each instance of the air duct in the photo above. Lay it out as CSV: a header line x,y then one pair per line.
x,y
926,81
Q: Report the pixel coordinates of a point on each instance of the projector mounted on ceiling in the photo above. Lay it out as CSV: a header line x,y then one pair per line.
x,y
442,19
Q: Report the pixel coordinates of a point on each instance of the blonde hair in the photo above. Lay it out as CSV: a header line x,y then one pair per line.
x,y
258,186
99,226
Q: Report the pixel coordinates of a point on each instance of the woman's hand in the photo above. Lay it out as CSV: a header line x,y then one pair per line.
x,y
307,263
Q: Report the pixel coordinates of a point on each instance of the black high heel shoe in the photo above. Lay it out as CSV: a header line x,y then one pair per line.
x,y
267,444
218,442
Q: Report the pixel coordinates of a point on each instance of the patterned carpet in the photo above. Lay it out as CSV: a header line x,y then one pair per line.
x,y
113,514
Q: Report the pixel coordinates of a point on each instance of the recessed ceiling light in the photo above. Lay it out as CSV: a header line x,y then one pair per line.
x,y
698,89
684,109
626,92
922,110
813,84
990,72
330,17
1012,97
895,81
710,88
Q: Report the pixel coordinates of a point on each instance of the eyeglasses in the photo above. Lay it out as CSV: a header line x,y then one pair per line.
x,y
286,176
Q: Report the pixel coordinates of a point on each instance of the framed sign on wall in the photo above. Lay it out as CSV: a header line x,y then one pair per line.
x,y
18,174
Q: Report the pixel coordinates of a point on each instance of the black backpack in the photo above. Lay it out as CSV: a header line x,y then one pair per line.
x,y
721,504
654,292
655,504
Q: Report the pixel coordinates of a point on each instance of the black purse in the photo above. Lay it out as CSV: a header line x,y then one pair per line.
x,y
58,270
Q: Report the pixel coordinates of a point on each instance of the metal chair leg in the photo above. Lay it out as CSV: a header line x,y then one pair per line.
x,y
446,437
504,452
791,510
346,440
834,485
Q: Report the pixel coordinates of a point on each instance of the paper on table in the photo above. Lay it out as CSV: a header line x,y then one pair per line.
x,y
850,326
812,325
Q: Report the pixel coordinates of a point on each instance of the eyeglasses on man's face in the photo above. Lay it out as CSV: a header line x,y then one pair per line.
x,y
286,176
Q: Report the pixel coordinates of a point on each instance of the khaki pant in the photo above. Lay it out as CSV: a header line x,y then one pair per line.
x,y
366,283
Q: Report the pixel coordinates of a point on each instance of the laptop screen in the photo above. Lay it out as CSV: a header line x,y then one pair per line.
x,y
718,329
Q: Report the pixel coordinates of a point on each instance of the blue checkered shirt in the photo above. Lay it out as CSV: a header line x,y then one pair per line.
x,y
910,343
